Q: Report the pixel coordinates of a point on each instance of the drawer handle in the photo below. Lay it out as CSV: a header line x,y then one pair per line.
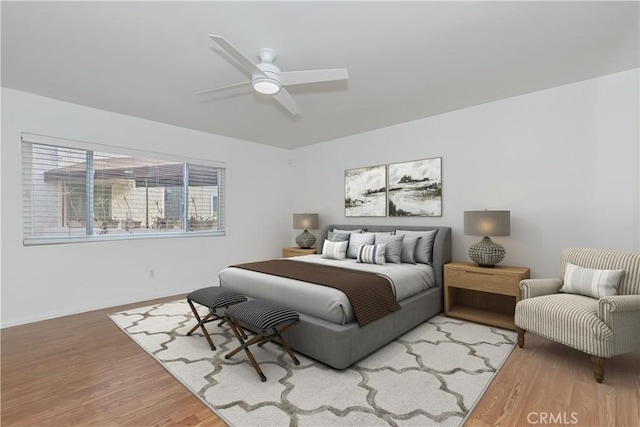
x,y
482,272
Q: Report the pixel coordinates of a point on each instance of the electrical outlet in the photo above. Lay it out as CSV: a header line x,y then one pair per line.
x,y
152,274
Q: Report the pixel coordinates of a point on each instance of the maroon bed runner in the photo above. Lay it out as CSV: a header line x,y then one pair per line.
x,y
370,294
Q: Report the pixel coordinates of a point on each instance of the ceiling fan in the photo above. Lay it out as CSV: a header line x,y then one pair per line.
x,y
266,77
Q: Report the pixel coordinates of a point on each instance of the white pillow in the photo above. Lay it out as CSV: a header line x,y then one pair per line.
x,y
591,282
372,254
334,250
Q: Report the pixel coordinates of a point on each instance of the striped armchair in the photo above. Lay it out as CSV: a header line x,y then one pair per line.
x,y
603,327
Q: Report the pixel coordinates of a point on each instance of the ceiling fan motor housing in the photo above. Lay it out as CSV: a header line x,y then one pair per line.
x,y
267,56
267,83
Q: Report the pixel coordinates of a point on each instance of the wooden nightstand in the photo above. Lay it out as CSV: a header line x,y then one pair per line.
x,y
481,294
296,251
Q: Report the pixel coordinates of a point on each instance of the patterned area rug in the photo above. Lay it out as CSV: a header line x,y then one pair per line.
x,y
433,374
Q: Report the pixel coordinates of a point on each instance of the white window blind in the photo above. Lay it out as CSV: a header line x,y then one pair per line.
x,y
74,191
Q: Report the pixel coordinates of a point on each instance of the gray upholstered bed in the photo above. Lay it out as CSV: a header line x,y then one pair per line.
x,y
340,345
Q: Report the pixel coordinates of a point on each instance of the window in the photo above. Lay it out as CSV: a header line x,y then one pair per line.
x,y
74,191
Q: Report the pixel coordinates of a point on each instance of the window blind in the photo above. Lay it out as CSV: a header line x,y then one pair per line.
x,y
71,193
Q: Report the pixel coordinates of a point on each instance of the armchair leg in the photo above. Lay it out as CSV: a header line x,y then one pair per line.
x,y
598,367
520,332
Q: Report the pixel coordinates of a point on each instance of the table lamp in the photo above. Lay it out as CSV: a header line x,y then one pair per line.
x,y
303,221
487,253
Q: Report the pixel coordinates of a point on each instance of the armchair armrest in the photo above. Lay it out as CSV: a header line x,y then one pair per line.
x,y
531,288
608,306
622,314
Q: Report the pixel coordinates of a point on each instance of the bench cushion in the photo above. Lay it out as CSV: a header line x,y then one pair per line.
x,y
215,297
261,314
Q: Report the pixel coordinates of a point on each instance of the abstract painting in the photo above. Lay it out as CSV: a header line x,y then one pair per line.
x,y
415,188
365,191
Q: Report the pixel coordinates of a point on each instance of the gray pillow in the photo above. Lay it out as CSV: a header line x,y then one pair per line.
x,y
394,246
385,233
359,230
357,239
338,237
424,247
408,253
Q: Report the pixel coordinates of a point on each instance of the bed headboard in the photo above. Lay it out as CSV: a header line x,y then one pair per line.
x,y
441,245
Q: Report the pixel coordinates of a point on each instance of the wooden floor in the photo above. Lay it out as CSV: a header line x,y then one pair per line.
x,y
83,370
546,383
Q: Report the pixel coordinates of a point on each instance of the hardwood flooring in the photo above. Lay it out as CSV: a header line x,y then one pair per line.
x,y
83,370
549,384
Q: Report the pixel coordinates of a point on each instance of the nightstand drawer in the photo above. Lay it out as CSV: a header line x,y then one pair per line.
x,y
486,282
296,251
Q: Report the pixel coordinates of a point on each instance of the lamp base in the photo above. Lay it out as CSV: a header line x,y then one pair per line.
x,y
305,239
486,253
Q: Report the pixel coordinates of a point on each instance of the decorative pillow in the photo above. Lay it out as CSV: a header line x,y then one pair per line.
x,y
590,282
394,246
359,230
384,233
334,250
357,239
424,247
408,253
372,254
338,237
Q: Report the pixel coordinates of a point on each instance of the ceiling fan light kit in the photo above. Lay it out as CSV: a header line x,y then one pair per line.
x,y
266,86
267,79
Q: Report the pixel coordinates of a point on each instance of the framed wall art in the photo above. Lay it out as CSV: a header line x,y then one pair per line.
x,y
365,191
415,188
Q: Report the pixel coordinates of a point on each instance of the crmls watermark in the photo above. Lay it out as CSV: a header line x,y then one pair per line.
x,y
552,418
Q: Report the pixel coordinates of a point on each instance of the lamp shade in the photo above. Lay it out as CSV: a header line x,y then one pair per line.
x,y
305,221
487,223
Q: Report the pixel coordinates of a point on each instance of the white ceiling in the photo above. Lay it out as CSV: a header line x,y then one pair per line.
x,y
406,60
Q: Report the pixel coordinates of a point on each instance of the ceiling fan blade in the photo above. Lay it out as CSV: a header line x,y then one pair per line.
x,y
237,55
285,99
289,78
224,87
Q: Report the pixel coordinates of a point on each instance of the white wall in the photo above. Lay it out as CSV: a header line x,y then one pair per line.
x,y
564,161
47,281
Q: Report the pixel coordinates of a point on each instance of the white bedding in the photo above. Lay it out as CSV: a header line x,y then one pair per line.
x,y
322,301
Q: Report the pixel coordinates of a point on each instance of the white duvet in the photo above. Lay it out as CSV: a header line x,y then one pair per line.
x,y
322,301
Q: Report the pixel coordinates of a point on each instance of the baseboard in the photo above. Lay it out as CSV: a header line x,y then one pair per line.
x,y
82,309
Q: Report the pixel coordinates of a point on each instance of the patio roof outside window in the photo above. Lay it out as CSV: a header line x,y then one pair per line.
x,y
145,172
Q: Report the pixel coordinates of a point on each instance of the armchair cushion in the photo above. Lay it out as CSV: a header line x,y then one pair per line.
x,y
569,319
591,282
